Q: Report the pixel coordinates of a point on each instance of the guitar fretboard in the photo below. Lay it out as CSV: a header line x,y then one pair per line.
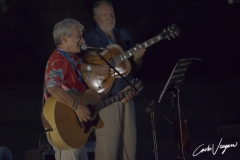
x,y
131,51
109,101
115,98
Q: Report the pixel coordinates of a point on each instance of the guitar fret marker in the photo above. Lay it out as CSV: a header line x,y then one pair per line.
x,y
125,56
107,102
116,97
121,57
112,100
102,105
129,53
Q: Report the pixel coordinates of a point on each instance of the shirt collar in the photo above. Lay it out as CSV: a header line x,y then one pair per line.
x,y
100,31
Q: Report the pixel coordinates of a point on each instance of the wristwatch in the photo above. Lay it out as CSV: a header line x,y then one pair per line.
x,y
89,67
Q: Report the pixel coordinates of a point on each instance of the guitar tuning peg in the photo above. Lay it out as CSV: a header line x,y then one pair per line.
x,y
135,81
177,32
152,103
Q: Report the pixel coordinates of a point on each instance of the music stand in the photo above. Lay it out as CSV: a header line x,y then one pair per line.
x,y
172,86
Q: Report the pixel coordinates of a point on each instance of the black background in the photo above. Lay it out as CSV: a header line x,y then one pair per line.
x,y
210,30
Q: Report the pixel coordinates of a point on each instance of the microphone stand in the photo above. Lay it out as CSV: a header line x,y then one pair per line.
x,y
149,109
150,102
176,104
98,53
172,87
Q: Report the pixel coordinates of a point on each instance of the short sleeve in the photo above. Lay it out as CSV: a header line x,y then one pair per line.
x,y
55,75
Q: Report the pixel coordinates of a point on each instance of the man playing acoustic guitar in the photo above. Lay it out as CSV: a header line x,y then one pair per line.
x,y
63,82
117,139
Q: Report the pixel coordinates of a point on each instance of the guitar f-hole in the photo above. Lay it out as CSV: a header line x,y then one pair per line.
x,y
111,61
109,75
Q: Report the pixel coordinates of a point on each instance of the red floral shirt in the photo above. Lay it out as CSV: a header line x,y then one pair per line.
x,y
63,69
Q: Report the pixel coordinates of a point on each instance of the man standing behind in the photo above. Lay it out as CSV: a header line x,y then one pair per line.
x,y
117,139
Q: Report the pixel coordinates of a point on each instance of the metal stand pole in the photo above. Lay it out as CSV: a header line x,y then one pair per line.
x,y
175,103
150,110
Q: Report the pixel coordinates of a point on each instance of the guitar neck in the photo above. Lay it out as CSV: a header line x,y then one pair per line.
x,y
118,96
131,51
110,101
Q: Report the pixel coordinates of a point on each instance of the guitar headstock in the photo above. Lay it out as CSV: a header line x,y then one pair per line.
x,y
137,84
170,32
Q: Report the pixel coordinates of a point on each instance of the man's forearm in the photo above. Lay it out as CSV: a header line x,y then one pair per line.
x,y
61,96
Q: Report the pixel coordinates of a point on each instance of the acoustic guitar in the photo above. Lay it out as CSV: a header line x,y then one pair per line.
x,y
66,129
119,59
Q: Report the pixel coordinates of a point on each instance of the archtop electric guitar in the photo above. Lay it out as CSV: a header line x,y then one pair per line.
x,y
118,58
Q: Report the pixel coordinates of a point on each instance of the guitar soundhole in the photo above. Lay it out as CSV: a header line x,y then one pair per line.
x,y
92,110
94,119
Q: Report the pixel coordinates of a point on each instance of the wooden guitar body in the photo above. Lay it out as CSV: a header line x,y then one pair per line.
x,y
102,84
119,59
67,131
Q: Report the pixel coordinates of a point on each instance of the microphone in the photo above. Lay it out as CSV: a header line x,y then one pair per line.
x,y
85,47
233,1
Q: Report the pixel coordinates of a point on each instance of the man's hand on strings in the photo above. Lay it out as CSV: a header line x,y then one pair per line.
x,y
83,113
139,53
128,95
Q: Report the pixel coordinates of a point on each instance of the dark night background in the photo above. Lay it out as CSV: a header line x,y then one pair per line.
x,y
209,97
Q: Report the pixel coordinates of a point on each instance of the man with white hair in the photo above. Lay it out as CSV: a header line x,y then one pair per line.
x,y
63,79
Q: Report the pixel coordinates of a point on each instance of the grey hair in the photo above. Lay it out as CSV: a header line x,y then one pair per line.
x,y
98,3
64,27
